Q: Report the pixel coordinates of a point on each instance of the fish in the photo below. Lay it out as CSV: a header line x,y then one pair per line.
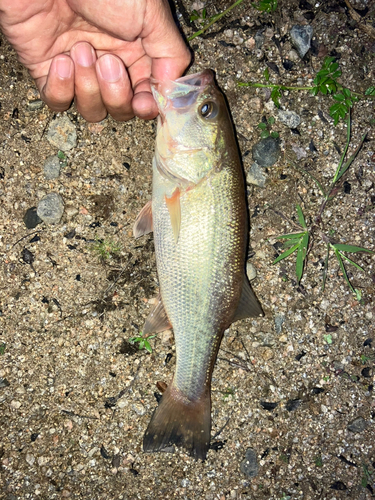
x,y
198,214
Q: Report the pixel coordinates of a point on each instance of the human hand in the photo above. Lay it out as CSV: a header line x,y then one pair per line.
x,y
101,53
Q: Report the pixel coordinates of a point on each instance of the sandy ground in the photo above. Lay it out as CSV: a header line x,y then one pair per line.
x,y
75,398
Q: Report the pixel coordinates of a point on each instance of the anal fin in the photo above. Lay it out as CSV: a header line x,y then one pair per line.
x,y
248,306
157,321
143,222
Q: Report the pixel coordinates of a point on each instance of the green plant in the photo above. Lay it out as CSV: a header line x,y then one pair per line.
x,y
62,157
105,249
300,241
208,22
2,348
228,392
328,338
366,478
265,5
265,128
143,342
325,82
318,461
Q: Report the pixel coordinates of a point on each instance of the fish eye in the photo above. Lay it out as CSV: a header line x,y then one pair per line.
x,y
208,109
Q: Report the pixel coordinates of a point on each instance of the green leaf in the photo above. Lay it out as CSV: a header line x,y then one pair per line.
x,y
339,97
301,217
323,90
148,346
314,90
2,348
262,126
291,235
343,270
264,134
61,155
204,13
350,248
275,95
271,120
358,294
266,74
328,338
301,255
370,90
286,254
352,262
275,135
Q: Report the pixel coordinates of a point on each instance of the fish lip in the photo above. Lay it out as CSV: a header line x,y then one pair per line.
x,y
166,91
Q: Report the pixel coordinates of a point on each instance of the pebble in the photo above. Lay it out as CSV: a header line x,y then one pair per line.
x,y
43,460
266,152
251,271
31,218
51,167
301,38
279,320
359,424
62,133
15,404
139,409
259,40
293,56
256,175
35,105
267,354
255,104
30,459
283,339
51,208
289,118
249,466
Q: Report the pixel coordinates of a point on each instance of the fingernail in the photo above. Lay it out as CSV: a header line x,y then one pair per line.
x,y
64,67
110,68
85,55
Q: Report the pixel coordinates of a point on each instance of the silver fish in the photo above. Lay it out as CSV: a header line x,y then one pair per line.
x,y
199,217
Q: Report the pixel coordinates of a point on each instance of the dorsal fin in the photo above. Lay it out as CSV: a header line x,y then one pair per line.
x,y
248,306
157,321
143,222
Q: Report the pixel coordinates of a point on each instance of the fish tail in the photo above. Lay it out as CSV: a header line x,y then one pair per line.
x,y
181,422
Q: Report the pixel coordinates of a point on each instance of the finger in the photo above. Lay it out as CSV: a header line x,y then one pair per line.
x,y
163,43
57,89
144,105
115,87
86,86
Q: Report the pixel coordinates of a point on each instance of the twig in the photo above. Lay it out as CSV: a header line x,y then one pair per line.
x,y
364,26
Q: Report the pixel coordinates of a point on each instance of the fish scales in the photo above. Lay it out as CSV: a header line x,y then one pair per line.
x,y
199,218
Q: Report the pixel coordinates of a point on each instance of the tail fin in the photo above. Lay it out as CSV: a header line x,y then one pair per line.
x,y
180,422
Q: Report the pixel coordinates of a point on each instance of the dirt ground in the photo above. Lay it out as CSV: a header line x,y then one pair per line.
x,y
296,386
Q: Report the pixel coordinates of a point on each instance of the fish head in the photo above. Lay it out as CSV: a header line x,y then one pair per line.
x,y
192,123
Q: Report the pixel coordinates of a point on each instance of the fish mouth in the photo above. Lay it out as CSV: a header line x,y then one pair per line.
x,y
180,93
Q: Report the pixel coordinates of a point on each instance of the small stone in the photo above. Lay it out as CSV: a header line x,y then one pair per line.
x,y
256,175
266,152
31,218
30,459
36,104
301,38
251,271
293,56
289,118
43,461
71,211
166,337
62,133
279,320
266,339
15,404
139,409
4,383
51,208
359,424
255,104
249,466
259,40
51,167
267,354
283,339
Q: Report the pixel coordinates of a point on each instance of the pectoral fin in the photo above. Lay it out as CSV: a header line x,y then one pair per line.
x,y
143,223
248,305
157,321
174,209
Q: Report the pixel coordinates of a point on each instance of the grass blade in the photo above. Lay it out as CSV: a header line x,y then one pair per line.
x,y
290,235
216,18
286,254
345,167
350,248
342,267
301,255
348,130
352,262
301,217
